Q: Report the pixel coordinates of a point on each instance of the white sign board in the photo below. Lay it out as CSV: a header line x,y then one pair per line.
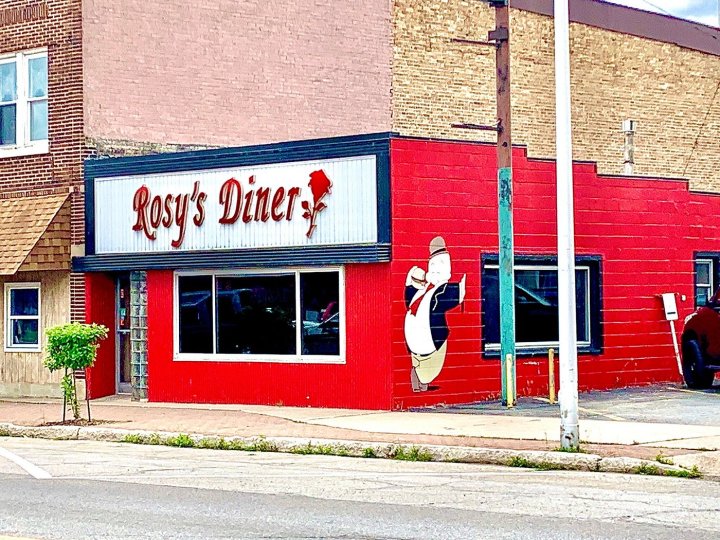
x,y
670,305
308,203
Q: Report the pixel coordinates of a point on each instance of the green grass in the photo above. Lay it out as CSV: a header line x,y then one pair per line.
x,y
660,458
414,453
369,453
654,470
525,463
571,450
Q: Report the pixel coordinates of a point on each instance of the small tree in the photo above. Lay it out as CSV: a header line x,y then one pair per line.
x,y
70,347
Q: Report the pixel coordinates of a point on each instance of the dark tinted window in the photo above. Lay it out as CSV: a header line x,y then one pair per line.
x,y
195,314
320,305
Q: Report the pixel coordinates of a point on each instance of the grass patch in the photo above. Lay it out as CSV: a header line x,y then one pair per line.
x,y
4,432
571,450
654,470
134,438
524,463
414,453
369,453
315,449
660,458
181,441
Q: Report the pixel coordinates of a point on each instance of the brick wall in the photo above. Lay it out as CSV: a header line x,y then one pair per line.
x,y
236,72
667,89
644,230
57,26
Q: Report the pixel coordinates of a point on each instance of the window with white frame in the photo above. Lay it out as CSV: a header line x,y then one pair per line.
x,y
706,276
280,315
536,304
23,103
22,316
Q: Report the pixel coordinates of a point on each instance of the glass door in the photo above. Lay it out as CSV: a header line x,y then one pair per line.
x,y
122,332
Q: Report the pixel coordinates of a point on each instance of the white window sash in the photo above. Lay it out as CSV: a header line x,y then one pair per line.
x,y
296,358
9,345
23,145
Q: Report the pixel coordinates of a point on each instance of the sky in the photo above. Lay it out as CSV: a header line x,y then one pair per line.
x,y
703,11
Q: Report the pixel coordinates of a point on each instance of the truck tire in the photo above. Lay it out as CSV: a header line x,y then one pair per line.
x,y
694,371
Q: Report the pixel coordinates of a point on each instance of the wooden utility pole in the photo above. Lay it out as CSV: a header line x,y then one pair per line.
x,y
500,39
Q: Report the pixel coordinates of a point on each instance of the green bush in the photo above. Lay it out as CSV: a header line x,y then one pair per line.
x,y
73,346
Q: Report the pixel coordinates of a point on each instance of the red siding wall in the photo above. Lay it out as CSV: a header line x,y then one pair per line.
x,y
645,230
363,382
100,309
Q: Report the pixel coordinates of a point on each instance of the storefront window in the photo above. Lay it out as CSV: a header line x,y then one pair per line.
x,y
196,319
256,314
284,315
536,304
22,316
321,313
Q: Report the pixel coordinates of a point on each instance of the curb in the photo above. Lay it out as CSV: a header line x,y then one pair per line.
x,y
533,459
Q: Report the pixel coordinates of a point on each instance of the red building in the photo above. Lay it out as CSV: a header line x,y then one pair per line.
x,y
361,272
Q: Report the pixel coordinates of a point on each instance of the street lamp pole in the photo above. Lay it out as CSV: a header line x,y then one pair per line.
x,y
568,395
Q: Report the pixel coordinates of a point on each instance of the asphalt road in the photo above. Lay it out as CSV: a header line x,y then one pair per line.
x,y
80,489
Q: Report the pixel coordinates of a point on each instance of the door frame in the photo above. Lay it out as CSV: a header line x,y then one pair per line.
x,y
120,387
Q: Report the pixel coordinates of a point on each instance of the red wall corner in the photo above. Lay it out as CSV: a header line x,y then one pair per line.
x,y
100,309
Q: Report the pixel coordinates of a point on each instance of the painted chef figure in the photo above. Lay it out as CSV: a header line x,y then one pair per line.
x,y
428,296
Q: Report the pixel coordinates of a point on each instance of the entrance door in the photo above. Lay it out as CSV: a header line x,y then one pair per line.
x,y
122,331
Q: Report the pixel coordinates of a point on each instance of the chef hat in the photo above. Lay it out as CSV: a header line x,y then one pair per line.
x,y
437,246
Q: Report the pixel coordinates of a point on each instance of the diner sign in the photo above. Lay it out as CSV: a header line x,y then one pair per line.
x,y
322,202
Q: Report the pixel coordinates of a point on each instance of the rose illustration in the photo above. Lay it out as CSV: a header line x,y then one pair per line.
x,y
320,185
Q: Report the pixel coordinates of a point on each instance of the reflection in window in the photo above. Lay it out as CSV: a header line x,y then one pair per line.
x,y
195,314
23,99
704,280
536,305
320,303
256,314
22,316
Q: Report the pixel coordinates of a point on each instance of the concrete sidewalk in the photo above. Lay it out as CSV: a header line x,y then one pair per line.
x,y
688,444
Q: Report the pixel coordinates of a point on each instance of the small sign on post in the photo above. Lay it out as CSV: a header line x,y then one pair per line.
x,y
671,315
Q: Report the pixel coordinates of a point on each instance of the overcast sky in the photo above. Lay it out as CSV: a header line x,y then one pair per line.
x,y
704,11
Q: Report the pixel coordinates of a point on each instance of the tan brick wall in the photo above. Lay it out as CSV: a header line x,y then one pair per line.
x,y
668,90
236,72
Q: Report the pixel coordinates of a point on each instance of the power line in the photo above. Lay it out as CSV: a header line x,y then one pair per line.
x,y
702,126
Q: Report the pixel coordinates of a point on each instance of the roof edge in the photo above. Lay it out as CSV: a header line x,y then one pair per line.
x,y
634,22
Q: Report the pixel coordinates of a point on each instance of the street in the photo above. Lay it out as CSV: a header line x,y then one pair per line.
x,y
83,489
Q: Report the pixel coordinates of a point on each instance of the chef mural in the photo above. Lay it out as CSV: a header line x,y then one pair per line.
x,y
428,297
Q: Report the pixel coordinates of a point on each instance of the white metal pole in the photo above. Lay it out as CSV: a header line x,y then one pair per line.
x,y
568,394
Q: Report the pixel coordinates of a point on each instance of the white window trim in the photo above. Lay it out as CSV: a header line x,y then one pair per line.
x,y
23,145
489,346
298,358
9,347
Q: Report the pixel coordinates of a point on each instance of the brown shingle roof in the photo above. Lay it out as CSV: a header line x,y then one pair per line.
x,y
23,220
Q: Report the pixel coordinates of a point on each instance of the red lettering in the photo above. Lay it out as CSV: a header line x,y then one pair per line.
x,y
231,191
292,194
277,201
261,204
167,217
140,201
199,218
247,217
155,212
181,207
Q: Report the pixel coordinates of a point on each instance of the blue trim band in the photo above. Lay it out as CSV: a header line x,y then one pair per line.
x,y
232,258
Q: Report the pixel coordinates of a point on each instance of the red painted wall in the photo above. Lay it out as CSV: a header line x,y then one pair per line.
x,y
100,309
645,230
364,382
